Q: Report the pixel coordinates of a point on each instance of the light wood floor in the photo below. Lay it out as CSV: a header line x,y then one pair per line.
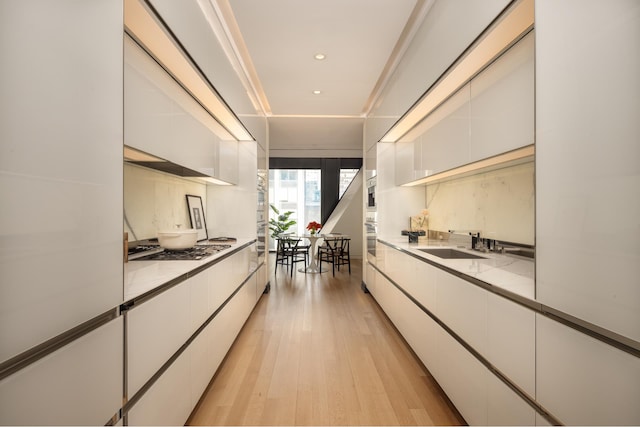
x,y
319,351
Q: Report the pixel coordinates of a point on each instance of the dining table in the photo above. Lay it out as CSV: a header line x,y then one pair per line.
x,y
313,262
313,266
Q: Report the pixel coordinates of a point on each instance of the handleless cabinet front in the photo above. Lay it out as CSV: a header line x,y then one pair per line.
x,y
155,331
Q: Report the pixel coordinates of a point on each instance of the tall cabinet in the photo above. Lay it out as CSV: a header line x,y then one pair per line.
x,y
587,206
61,216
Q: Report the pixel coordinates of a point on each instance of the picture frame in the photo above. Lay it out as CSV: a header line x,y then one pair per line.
x,y
196,216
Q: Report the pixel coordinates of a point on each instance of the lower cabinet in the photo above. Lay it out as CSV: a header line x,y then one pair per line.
x,y
576,378
168,401
505,407
584,381
502,331
160,327
79,384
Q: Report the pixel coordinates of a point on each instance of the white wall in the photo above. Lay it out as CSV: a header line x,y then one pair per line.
x,y
499,203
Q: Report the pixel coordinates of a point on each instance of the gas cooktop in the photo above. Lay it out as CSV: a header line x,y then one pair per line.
x,y
156,253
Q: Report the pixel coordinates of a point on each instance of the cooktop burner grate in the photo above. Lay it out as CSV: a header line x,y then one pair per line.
x,y
195,253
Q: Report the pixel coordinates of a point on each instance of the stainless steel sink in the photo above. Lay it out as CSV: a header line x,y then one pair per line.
x,y
448,253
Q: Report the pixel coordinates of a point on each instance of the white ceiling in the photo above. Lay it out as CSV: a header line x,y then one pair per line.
x,y
277,40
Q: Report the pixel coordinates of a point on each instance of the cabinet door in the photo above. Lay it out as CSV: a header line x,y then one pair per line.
x,y
502,103
511,346
587,161
228,161
60,167
420,282
370,279
155,331
445,144
168,401
159,112
583,381
505,407
80,384
463,307
463,378
404,162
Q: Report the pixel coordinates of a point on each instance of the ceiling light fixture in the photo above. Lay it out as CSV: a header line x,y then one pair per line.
x,y
320,56
317,92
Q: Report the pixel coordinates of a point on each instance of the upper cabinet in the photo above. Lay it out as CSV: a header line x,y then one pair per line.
x,y
445,143
449,27
491,115
162,119
502,103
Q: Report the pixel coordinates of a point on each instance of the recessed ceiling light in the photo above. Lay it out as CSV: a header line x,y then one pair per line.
x,y
317,92
320,56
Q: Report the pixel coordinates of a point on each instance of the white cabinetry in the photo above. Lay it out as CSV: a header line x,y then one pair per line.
x,y
588,161
162,119
168,401
491,115
502,103
404,162
447,30
583,381
505,407
463,378
155,331
500,330
79,384
445,144
158,328
60,168
228,161
511,340
463,307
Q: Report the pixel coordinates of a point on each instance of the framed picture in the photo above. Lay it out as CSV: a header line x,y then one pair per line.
x,y
196,215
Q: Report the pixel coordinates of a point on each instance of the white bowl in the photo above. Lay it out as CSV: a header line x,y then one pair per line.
x,y
178,238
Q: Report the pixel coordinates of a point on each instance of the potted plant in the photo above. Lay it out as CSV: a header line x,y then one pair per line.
x,y
281,223
313,227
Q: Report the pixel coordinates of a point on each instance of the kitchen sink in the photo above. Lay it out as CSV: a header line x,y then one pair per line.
x,y
447,253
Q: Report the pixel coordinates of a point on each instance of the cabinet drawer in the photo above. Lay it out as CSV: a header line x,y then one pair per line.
x,y
511,330
79,384
584,381
462,306
505,407
155,331
463,378
168,401
420,282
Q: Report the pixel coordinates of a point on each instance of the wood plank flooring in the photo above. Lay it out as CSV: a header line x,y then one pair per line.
x,y
319,351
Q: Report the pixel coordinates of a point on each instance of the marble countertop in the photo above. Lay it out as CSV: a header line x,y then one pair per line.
x,y
141,277
513,274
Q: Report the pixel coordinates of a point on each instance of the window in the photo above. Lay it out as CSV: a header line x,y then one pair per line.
x,y
346,176
297,191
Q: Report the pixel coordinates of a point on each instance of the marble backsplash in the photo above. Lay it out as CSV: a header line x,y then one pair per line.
x,y
156,201
500,204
